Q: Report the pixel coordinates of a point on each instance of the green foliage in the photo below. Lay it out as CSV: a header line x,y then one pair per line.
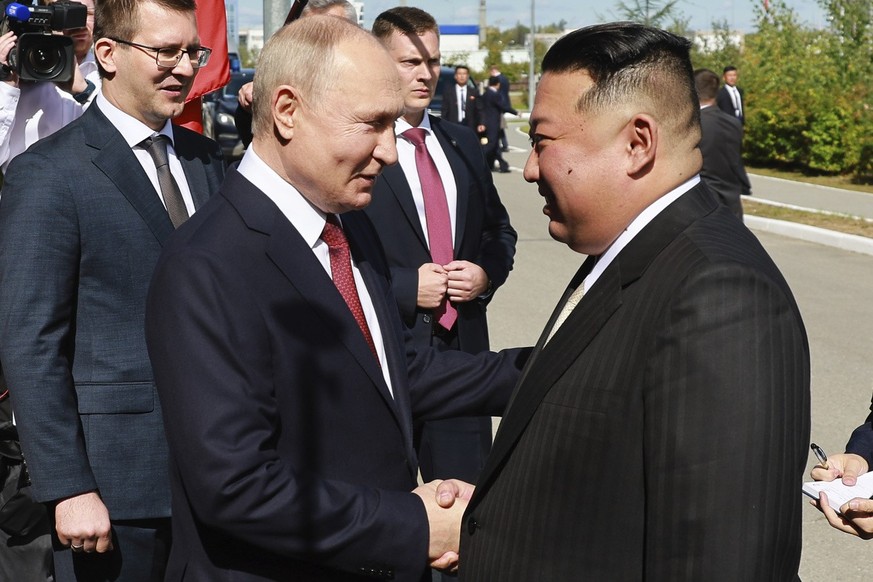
x,y
649,12
809,101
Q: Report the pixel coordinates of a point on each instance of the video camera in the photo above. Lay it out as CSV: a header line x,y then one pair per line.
x,y
40,55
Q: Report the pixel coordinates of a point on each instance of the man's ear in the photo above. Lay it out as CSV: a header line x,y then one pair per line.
x,y
285,106
105,51
642,143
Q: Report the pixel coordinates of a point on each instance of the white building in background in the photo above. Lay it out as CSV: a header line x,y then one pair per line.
x,y
252,39
459,45
710,41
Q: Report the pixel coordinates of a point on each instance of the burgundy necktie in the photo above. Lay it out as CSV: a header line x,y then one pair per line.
x,y
341,272
436,211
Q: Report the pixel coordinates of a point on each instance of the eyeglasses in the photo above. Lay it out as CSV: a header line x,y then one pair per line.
x,y
168,58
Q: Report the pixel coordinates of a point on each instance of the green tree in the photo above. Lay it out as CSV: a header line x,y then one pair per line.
x,y
650,12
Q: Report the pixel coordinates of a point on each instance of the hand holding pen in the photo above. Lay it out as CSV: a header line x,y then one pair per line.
x,y
845,465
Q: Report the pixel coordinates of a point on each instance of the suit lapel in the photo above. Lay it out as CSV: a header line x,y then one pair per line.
x,y
549,362
293,257
114,158
394,178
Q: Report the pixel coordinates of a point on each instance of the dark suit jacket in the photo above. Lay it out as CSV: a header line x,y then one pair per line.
x,y
483,234
449,107
81,228
726,104
861,441
290,459
662,433
493,108
721,146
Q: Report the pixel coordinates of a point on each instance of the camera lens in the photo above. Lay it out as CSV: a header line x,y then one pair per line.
x,y
45,61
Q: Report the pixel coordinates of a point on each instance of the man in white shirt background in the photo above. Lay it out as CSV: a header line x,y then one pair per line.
x,y
32,110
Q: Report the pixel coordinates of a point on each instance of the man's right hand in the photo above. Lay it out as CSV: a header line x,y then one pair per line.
x,y
845,465
433,283
7,42
82,522
445,526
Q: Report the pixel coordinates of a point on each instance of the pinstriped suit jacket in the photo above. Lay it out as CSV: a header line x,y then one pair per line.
x,y
661,434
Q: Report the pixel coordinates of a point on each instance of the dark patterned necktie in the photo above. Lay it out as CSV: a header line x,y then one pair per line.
x,y
157,148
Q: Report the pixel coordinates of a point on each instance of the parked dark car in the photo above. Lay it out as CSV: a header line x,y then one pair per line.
x,y
218,109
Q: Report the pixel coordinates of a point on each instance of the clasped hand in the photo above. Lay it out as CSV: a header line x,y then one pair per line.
x,y
445,503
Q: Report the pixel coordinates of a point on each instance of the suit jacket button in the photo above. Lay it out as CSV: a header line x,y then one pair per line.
x,y
472,525
426,318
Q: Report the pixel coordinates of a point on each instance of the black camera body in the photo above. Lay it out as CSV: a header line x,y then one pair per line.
x,y
40,55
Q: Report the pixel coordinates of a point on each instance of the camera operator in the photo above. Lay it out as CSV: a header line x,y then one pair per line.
x,y
30,110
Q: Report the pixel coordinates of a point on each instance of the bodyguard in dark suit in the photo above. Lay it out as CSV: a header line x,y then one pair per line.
x,y
288,383
660,428
721,144
730,98
479,240
82,222
461,100
493,107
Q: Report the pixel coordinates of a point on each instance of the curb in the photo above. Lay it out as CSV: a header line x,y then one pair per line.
x,y
846,242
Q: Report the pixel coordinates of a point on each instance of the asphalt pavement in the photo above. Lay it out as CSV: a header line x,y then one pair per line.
x,y
830,274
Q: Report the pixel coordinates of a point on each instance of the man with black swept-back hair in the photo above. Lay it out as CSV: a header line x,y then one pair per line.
x,y
659,431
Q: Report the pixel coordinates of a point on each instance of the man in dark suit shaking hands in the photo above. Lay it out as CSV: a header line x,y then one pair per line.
x,y
446,234
83,218
287,380
660,428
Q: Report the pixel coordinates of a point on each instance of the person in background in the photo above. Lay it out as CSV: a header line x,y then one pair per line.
x,y
504,95
461,100
447,235
32,110
83,216
493,108
730,97
721,145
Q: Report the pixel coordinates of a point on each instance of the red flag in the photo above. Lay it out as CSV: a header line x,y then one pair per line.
x,y
766,5
212,26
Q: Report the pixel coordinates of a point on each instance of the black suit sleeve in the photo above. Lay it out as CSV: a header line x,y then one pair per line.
x,y
211,354
724,398
861,441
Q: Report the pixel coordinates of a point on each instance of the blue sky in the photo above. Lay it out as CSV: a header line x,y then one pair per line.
x,y
506,13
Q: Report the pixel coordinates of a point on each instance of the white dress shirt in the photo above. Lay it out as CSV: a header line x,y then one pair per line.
x,y
406,159
634,228
134,132
309,221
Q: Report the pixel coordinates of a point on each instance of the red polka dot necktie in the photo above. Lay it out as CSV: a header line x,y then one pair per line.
x,y
341,272
436,211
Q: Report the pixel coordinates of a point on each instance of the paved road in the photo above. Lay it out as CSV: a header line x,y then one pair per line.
x,y
832,288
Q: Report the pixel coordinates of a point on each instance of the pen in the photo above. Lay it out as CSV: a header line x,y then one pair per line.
x,y
820,455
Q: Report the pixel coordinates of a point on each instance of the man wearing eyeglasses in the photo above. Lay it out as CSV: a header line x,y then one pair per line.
x,y
83,217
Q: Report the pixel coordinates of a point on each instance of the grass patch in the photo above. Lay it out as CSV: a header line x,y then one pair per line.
x,y
844,182
836,222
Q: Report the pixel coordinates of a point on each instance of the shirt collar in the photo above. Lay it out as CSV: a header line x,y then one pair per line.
x,y
132,130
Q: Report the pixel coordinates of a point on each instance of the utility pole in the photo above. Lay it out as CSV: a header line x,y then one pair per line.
x,y
275,12
483,23
531,73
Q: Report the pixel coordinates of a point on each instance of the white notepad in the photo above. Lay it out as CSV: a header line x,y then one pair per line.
x,y
838,494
